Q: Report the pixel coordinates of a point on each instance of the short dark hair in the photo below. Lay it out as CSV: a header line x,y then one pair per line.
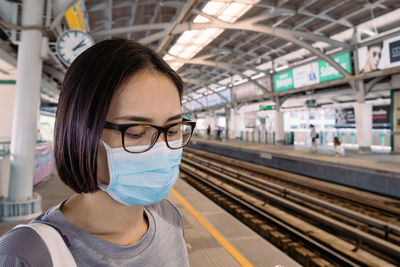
x,y
380,44
85,97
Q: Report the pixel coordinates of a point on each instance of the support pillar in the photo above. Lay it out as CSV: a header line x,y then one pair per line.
x,y
363,112
238,121
364,126
279,126
227,121
22,202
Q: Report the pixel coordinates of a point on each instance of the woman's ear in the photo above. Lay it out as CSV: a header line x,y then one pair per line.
x,y
103,175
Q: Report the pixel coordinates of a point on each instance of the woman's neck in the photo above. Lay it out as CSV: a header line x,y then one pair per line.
x,y
98,214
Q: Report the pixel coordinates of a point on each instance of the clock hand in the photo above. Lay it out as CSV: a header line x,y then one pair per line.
x,y
79,45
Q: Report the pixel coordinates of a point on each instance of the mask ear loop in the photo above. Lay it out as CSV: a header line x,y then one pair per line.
x,y
108,149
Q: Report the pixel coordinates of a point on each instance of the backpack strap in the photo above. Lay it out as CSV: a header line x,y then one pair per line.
x,y
59,252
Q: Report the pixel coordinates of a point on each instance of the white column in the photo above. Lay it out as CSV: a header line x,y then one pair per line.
x,y
364,126
279,131
23,138
239,124
227,122
232,124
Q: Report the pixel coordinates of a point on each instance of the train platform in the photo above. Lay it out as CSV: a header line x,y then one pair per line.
x,y
213,236
377,172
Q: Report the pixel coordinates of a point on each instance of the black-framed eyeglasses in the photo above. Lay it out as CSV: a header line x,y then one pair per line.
x,y
139,137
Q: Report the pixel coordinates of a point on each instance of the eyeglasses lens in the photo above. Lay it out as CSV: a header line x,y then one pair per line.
x,y
140,137
179,135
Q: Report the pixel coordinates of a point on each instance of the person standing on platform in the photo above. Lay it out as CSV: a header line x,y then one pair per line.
x,y
314,136
120,152
209,132
218,136
339,151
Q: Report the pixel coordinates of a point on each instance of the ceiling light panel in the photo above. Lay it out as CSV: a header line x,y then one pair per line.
x,y
176,49
200,19
213,7
193,41
207,35
187,36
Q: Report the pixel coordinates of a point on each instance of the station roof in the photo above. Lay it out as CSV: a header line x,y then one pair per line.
x,y
218,44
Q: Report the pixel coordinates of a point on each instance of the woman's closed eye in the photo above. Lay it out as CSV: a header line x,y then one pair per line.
x,y
134,135
172,132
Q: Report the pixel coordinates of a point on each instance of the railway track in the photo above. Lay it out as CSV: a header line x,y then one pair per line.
x,y
301,224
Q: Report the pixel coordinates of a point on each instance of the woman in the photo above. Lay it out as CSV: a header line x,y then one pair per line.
x,y
314,136
374,54
339,151
118,143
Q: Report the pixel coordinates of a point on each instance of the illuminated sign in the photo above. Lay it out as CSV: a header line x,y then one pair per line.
x,y
328,73
312,73
74,17
283,81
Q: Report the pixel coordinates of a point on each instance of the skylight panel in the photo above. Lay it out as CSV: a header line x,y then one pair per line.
x,y
213,7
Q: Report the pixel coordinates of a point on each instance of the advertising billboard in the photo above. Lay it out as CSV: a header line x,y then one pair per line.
x,y
283,81
227,93
312,73
379,55
306,75
196,104
213,99
328,73
249,89
345,118
250,119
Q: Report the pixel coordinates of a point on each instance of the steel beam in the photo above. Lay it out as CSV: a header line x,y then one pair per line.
x,y
183,14
132,17
153,18
200,61
197,82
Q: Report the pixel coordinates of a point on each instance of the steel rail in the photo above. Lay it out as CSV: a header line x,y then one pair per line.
x,y
335,193
379,244
382,225
330,253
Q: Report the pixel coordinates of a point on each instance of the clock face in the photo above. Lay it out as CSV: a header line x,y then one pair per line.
x,y
72,43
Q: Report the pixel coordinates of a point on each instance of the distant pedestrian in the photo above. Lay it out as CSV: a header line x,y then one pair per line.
x,y
339,150
314,136
219,131
209,132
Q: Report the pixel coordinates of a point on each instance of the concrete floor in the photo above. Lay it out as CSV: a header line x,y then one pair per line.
x,y
52,191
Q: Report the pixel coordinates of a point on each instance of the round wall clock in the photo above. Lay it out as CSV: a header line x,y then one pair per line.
x,y
71,44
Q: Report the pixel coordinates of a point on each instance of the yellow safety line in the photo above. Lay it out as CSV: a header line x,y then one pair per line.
x,y
236,254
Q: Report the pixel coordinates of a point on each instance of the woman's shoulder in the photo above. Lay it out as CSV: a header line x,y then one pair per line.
x,y
167,211
23,247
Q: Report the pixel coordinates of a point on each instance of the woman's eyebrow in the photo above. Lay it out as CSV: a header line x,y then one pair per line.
x,y
135,118
173,118
145,119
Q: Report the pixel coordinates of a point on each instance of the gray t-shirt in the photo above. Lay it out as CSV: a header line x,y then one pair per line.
x,y
162,245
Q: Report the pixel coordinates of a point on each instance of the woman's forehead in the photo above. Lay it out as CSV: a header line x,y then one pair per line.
x,y
146,95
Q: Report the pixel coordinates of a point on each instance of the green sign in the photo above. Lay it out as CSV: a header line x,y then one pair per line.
x,y
8,81
270,107
329,73
283,81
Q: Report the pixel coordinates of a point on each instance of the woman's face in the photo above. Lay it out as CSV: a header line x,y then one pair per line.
x,y
374,55
147,97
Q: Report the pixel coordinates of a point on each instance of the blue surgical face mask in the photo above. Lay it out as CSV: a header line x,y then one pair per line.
x,y
144,178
